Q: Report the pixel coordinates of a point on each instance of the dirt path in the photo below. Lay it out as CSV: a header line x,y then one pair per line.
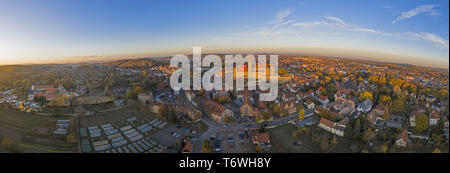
x,y
112,109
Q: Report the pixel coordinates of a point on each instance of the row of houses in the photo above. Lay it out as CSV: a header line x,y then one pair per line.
x,y
47,91
332,127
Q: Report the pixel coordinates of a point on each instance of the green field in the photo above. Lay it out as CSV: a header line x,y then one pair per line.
x,y
25,132
283,136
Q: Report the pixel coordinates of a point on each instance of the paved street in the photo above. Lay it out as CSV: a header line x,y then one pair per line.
x,y
214,127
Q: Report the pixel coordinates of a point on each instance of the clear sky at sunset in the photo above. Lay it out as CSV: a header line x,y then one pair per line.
x,y
414,31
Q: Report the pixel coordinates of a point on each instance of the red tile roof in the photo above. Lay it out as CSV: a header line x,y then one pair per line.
x,y
47,96
43,86
188,148
403,136
435,116
51,90
214,107
261,137
326,122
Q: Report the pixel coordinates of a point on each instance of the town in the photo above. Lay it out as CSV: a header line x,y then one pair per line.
x,y
324,105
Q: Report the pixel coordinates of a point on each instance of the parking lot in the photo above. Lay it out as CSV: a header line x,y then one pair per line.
x,y
172,133
229,141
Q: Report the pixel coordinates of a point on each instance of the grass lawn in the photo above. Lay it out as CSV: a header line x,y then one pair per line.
x,y
58,110
100,107
283,136
32,133
199,127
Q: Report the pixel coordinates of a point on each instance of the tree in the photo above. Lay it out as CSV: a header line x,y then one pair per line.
x,y
262,129
222,99
40,99
334,140
172,117
299,131
71,138
365,95
52,103
357,129
61,101
136,91
396,82
266,115
381,80
421,123
163,110
383,149
324,114
7,142
129,94
284,113
301,114
20,106
258,148
437,150
398,105
276,110
443,94
206,148
360,79
385,99
324,144
373,78
368,135
437,138
348,131
324,92
257,118
397,91
282,71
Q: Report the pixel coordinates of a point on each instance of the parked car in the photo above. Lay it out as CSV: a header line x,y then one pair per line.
x,y
297,143
217,146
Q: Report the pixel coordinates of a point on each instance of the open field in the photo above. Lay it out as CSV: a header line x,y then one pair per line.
x,y
32,133
282,141
113,116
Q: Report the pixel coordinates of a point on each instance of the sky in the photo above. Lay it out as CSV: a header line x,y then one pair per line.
x,y
405,31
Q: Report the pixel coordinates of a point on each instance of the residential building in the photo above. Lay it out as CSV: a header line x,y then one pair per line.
x,y
434,119
262,140
309,104
380,112
402,139
332,127
365,106
217,111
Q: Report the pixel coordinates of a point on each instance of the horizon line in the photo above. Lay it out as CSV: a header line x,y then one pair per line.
x,y
99,59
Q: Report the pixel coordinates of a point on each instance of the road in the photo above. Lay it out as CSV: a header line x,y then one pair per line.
x,y
214,127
